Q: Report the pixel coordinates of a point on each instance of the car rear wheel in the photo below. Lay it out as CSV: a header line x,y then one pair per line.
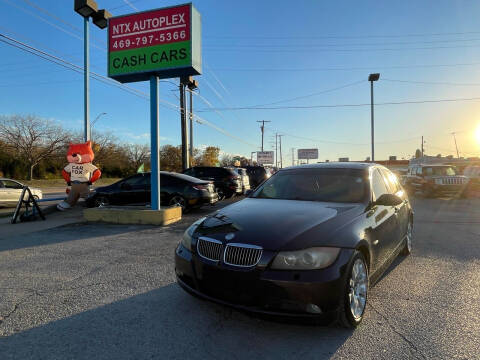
x,y
101,201
178,200
408,240
355,294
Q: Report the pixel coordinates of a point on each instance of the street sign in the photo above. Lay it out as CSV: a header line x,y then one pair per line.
x,y
307,154
265,157
163,42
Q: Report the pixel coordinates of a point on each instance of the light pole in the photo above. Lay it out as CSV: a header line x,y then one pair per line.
x,y
95,121
87,9
456,147
192,85
372,78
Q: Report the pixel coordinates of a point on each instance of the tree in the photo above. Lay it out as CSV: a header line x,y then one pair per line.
x,y
137,155
418,153
226,160
31,139
210,156
171,158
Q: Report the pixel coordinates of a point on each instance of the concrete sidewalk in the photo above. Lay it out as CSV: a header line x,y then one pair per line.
x,y
53,220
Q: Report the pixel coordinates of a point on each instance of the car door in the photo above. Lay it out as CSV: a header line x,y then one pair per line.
x,y
166,190
14,190
384,231
4,193
401,211
126,193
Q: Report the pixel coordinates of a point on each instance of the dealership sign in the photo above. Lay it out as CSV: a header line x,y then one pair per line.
x,y
306,154
265,157
163,42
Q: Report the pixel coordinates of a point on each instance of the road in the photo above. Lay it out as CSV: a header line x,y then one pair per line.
x,y
96,291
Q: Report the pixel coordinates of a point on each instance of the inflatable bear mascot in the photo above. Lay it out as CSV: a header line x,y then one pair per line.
x,y
79,173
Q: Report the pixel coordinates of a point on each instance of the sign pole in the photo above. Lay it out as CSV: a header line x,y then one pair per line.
x,y
86,78
154,144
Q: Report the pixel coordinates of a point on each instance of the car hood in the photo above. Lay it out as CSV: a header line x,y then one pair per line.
x,y
280,224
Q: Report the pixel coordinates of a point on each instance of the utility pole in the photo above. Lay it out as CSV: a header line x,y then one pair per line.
x,y
276,151
372,78
192,85
183,121
262,128
456,147
422,146
293,157
280,143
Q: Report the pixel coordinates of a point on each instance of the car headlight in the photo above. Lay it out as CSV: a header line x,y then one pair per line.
x,y
187,235
308,259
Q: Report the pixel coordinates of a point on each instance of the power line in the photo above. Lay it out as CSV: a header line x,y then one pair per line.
x,y
369,36
313,49
359,68
57,60
313,94
343,105
432,82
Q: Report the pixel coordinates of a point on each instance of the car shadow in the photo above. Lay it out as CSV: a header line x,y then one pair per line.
x,y
167,323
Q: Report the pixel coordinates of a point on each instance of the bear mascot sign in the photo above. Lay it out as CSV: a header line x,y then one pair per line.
x,y
79,173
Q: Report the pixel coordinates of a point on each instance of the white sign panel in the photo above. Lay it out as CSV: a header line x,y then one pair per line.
x,y
306,154
265,157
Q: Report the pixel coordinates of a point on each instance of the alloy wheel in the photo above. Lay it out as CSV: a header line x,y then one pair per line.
x,y
358,289
178,201
101,201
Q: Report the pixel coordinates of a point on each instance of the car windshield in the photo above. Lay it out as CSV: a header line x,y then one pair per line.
x,y
326,185
440,171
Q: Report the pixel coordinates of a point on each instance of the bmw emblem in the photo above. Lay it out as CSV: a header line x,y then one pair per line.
x,y
229,236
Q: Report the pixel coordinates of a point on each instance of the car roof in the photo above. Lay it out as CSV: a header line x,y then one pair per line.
x,y
335,165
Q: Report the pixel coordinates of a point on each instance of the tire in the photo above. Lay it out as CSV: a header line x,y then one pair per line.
x,y
354,298
407,249
101,201
221,194
178,200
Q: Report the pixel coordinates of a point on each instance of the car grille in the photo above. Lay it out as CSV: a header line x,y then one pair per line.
x,y
242,255
211,188
210,249
453,181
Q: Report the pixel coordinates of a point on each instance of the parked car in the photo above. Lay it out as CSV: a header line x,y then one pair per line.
x,y
309,242
473,174
227,181
10,191
257,175
175,189
242,172
434,180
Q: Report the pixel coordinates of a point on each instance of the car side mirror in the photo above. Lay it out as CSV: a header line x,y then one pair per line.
x,y
248,192
388,200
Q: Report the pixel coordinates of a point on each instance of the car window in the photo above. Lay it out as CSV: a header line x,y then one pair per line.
x,y
391,181
378,184
9,184
190,172
419,171
326,185
134,180
144,180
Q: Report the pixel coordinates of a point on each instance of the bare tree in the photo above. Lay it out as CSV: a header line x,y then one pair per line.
x,y
30,138
137,154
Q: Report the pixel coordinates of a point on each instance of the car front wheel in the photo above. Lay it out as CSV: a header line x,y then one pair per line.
x,y
178,200
355,294
407,249
101,201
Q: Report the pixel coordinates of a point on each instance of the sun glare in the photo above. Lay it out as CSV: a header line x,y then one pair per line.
x,y
477,134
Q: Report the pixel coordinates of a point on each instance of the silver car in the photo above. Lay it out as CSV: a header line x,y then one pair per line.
x,y
10,191
244,178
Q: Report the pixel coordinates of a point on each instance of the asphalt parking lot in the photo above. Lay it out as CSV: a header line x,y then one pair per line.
x,y
96,291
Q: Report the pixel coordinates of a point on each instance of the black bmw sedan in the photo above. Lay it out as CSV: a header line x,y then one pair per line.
x,y
175,190
309,242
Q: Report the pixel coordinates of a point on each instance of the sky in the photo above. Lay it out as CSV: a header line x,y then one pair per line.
x,y
306,61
